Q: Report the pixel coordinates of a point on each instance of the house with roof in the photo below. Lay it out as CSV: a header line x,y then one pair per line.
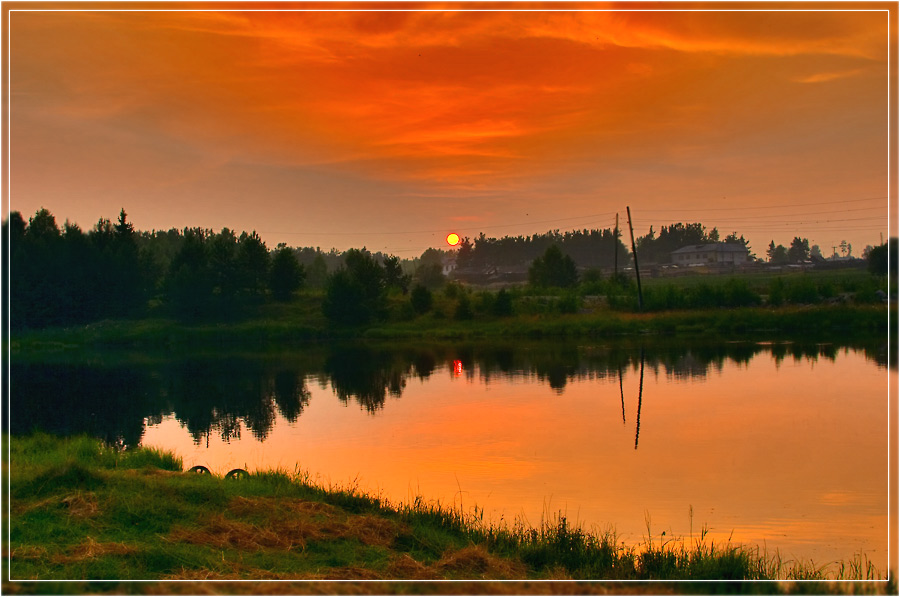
x,y
448,263
711,254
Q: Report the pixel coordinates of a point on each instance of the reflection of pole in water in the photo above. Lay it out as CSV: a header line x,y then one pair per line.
x,y
637,429
622,394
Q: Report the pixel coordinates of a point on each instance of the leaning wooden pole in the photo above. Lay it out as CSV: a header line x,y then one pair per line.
x,y
637,271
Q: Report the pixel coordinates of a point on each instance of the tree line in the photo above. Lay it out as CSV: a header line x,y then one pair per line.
x,y
800,251
67,276
588,248
64,275
657,248
598,249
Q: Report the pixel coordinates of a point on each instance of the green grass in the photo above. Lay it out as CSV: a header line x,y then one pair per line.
x,y
772,303
81,510
846,278
824,320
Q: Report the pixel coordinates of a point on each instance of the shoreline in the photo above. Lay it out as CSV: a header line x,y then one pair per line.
x,y
845,321
82,510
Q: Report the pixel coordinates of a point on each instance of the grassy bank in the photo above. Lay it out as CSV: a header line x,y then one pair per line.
x,y
80,510
283,327
750,306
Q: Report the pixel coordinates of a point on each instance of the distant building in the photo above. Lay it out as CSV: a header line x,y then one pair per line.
x,y
448,264
710,254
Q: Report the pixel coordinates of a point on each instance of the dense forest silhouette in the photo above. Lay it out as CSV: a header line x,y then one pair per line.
x,y
64,275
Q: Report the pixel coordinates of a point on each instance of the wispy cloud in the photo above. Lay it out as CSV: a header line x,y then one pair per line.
x,y
829,76
465,103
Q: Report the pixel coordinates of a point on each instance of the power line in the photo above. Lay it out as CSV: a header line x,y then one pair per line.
x,y
800,222
442,230
646,215
782,205
757,217
794,223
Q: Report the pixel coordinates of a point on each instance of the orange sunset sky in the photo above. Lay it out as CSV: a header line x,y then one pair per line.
x,y
350,128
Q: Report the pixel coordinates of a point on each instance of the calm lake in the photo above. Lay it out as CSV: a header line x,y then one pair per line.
x,y
780,445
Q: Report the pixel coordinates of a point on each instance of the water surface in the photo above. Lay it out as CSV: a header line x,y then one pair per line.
x,y
784,446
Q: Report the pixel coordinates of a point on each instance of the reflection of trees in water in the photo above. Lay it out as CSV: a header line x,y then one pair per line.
x,y
879,353
874,351
695,361
424,364
226,395
557,366
367,375
289,393
68,399
217,394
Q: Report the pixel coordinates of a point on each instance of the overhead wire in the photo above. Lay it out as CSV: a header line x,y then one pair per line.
x,y
791,205
776,216
772,222
655,214
446,229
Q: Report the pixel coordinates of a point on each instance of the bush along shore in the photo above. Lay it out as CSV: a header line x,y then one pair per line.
x,y
284,328
83,510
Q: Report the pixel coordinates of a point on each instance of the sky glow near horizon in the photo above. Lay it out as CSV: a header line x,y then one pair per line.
x,y
392,129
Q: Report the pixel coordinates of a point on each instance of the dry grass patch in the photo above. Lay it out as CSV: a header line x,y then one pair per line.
x,y
286,524
388,587
408,568
81,504
152,471
368,529
345,573
223,532
90,549
475,559
18,507
275,507
27,552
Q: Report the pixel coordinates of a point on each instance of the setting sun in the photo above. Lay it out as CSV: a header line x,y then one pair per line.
x,y
453,239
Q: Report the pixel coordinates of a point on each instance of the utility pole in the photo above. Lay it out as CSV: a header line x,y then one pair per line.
x,y
637,271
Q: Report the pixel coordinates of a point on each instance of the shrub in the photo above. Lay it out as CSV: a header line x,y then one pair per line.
x,y
430,275
421,299
878,258
553,270
503,306
485,302
286,274
463,308
356,293
826,290
453,289
659,298
739,294
568,304
776,292
803,291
